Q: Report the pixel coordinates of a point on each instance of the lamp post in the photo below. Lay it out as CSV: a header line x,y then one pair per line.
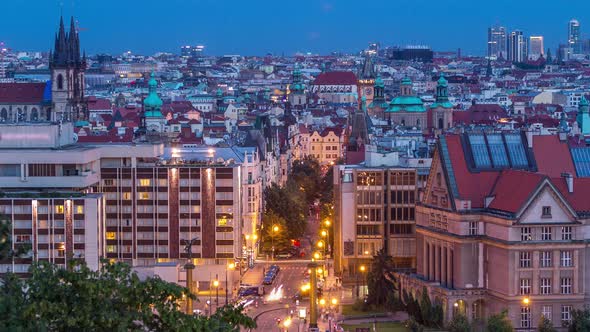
x,y
216,285
230,266
274,229
362,269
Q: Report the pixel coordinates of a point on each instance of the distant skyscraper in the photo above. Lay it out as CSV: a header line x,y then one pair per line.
x,y
497,42
536,48
573,35
517,47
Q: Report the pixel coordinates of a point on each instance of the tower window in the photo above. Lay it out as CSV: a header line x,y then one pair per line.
x,y
60,82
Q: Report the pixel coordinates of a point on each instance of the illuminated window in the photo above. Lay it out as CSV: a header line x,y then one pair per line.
x,y
145,182
79,209
144,196
59,209
111,249
222,222
126,195
111,235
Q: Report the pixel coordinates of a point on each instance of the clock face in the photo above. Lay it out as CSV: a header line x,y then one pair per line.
x,y
368,91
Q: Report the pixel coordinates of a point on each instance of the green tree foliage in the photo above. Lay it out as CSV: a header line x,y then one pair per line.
x,y
380,281
580,320
6,249
499,323
289,203
327,187
459,323
545,325
112,298
279,239
307,176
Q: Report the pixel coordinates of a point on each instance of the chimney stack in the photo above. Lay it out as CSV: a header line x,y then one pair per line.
x,y
569,180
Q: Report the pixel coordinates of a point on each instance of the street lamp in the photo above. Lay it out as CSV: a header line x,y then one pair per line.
x,y
526,302
362,269
274,230
216,285
230,266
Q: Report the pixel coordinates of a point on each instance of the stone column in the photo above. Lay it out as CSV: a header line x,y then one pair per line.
x,y
443,259
437,263
449,268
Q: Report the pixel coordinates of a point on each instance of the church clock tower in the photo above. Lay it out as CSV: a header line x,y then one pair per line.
x,y
366,80
67,76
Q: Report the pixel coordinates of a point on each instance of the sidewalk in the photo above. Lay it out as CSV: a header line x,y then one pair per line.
x,y
254,275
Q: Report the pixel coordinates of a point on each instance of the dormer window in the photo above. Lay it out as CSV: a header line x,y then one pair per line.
x,y
546,213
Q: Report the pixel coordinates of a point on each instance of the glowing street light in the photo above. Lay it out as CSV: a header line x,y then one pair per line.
x,y
324,233
322,302
334,301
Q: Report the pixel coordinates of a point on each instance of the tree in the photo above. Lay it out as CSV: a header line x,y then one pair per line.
x,y
545,325
6,249
112,298
499,323
580,320
289,203
380,282
459,323
306,174
279,239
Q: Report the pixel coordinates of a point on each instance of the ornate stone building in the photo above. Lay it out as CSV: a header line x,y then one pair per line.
x,y
407,110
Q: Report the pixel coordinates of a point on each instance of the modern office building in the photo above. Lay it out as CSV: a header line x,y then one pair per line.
x,y
375,209
536,47
503,224
497,43
573,36
517,47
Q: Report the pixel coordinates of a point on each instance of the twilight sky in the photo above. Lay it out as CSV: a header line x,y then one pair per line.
x,y
256,27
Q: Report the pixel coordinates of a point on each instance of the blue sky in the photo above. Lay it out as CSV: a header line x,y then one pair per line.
x,y
256,27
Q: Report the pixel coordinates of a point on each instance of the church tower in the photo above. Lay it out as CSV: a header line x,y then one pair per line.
x,y
379,105
442,109
366,80
152,108
297,97
67,76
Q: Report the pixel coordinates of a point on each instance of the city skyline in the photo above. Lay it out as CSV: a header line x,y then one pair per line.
x,y
307,26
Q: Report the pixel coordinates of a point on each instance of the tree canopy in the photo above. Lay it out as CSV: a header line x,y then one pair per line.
x,y
499,323
110,299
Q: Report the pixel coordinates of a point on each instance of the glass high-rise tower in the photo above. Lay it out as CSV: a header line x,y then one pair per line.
x,y
573,36
497,42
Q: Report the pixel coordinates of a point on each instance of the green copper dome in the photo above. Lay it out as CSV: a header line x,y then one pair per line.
x,y
583,101
406,104
442,81
406,81
379,82
152,104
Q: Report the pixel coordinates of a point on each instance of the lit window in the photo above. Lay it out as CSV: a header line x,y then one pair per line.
x,y
566,315
525,259
566,285
525,234
525,286
126,195
111,248
546,258
144,195
59,209
145,182
525,317
566,258
79,209
545,286
111,235
546,233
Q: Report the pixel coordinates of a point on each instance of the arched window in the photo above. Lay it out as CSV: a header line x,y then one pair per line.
x,y
3,115
440,123
34,114
60,82
20,115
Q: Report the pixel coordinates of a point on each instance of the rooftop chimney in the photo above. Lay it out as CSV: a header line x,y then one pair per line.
x,y
569,179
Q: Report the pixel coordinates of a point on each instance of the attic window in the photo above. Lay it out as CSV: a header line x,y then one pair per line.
x,y
546,212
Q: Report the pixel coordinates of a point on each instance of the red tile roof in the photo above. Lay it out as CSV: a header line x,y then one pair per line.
x,y
336,78
513,188
26,93
552,156
98,103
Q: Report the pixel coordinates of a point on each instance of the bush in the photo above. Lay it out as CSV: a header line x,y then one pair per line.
x,y
499,323
413,326
459,323
545,325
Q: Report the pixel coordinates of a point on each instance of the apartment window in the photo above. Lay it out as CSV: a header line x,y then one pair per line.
x,y
545,286
126,195
162,182
546,211
473,228
525,286
566,315
143,195
525,259
145,182
111,235
79,209
546,233
566,285
111,248
525,317
547,312
566,258
108,182
545,258
566,232
525,234
59,209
